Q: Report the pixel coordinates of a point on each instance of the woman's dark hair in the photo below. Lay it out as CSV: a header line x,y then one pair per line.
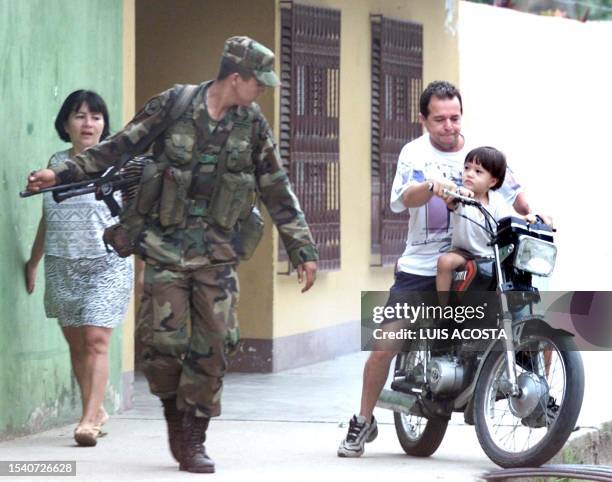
x,y
73,103
491,160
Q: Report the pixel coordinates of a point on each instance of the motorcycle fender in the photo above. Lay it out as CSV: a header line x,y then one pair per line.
x,y
534,325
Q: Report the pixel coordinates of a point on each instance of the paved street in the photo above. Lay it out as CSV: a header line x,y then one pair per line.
x,y
278,427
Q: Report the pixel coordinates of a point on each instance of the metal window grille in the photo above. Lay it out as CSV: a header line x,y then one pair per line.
x,y
397,82
309,120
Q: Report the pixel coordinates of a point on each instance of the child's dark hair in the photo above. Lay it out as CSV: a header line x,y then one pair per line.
x,y
72,104
491,160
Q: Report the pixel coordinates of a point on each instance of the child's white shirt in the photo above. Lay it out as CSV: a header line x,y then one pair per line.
x,y
467,235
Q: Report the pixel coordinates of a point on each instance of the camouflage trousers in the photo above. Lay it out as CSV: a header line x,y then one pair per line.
x,y
187,323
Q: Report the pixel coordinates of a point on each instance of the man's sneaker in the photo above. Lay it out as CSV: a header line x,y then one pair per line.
x,y
359,433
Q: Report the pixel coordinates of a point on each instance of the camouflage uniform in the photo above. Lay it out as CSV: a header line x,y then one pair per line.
x,y
190,272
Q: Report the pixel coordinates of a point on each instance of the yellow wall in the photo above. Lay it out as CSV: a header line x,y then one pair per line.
x,y
335,298
181,41
129,82
541,97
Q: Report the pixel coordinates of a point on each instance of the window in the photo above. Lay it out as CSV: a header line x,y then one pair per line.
x,y
397,82
309,120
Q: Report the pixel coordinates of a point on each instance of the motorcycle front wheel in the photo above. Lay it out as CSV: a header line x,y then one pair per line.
x,y
418,436
528,430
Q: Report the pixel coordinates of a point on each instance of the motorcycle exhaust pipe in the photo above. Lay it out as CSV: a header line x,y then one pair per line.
x,y
396,401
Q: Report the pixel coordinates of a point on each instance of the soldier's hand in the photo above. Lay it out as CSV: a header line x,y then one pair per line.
x,y
309,268
41,179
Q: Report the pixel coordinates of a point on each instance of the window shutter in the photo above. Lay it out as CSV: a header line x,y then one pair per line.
x,y
397,82
309,120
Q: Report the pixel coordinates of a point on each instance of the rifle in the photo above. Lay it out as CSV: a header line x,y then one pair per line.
x,y
125,179
126,174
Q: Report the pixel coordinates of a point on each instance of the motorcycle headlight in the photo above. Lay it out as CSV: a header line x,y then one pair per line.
x,y
535,255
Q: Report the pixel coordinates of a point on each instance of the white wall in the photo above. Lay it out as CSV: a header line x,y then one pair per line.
x,y
539,88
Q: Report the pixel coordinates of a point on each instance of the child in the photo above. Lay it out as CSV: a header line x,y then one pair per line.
x,y
483,172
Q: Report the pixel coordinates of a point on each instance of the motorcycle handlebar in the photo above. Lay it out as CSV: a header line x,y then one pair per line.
x,y
460,198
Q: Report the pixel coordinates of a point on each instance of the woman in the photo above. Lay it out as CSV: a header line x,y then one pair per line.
x,y
86,288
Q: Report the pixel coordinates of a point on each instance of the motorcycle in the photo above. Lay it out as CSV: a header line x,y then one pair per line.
x,y
523,392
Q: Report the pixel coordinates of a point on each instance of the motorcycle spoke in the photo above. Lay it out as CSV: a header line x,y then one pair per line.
x,y
515,434
413,425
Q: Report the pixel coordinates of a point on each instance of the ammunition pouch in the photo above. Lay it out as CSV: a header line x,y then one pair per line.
x,y
116,236
138,201
248,234
232,207
142,201
174,197
149,188
232,199
123,236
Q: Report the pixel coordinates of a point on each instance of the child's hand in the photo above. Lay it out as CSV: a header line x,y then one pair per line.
x,y
465,192
452,202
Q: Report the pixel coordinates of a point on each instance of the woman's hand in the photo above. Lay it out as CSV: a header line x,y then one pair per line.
x,y
30,276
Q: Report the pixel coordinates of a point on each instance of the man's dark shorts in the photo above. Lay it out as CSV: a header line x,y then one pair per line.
x,y
412,289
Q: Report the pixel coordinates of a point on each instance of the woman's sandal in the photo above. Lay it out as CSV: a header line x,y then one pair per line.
x,y
87,435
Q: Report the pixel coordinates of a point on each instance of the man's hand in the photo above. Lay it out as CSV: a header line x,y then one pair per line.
x,y
548,220
530,218
310,269
533,218
41,179
439,185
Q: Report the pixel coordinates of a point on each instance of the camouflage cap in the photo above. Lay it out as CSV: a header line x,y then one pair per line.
x,y
253,58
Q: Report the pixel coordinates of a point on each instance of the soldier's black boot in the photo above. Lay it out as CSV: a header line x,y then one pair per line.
x,y
174,422
193,451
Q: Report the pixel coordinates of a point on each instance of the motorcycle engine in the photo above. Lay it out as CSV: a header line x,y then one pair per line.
x,y
445,375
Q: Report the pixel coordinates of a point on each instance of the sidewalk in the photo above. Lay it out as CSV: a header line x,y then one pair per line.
x,y
278,427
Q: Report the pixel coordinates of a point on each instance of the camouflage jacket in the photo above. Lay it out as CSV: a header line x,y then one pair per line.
x,y
197,242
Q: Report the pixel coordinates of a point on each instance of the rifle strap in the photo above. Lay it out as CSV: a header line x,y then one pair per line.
x,y
182,101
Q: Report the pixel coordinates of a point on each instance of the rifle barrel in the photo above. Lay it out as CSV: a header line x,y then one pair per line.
x,y
65,191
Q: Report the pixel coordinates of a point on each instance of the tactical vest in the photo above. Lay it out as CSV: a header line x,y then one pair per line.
x,y
197,173
200,173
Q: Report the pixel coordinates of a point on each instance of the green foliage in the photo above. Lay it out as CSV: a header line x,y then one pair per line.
x,y
603,11
598,9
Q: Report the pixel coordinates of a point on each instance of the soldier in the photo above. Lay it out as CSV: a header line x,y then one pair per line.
x,y
209,165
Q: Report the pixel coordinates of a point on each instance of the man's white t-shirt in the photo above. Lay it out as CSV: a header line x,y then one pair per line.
x,y
430,226
468,235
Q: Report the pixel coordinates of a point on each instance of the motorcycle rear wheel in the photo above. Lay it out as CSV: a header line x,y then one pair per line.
x,y
551,367
418,436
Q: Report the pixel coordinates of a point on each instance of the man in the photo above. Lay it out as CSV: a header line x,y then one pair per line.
x,y
426,166
210,164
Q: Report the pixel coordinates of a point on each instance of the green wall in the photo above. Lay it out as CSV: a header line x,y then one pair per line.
x,y
48,48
